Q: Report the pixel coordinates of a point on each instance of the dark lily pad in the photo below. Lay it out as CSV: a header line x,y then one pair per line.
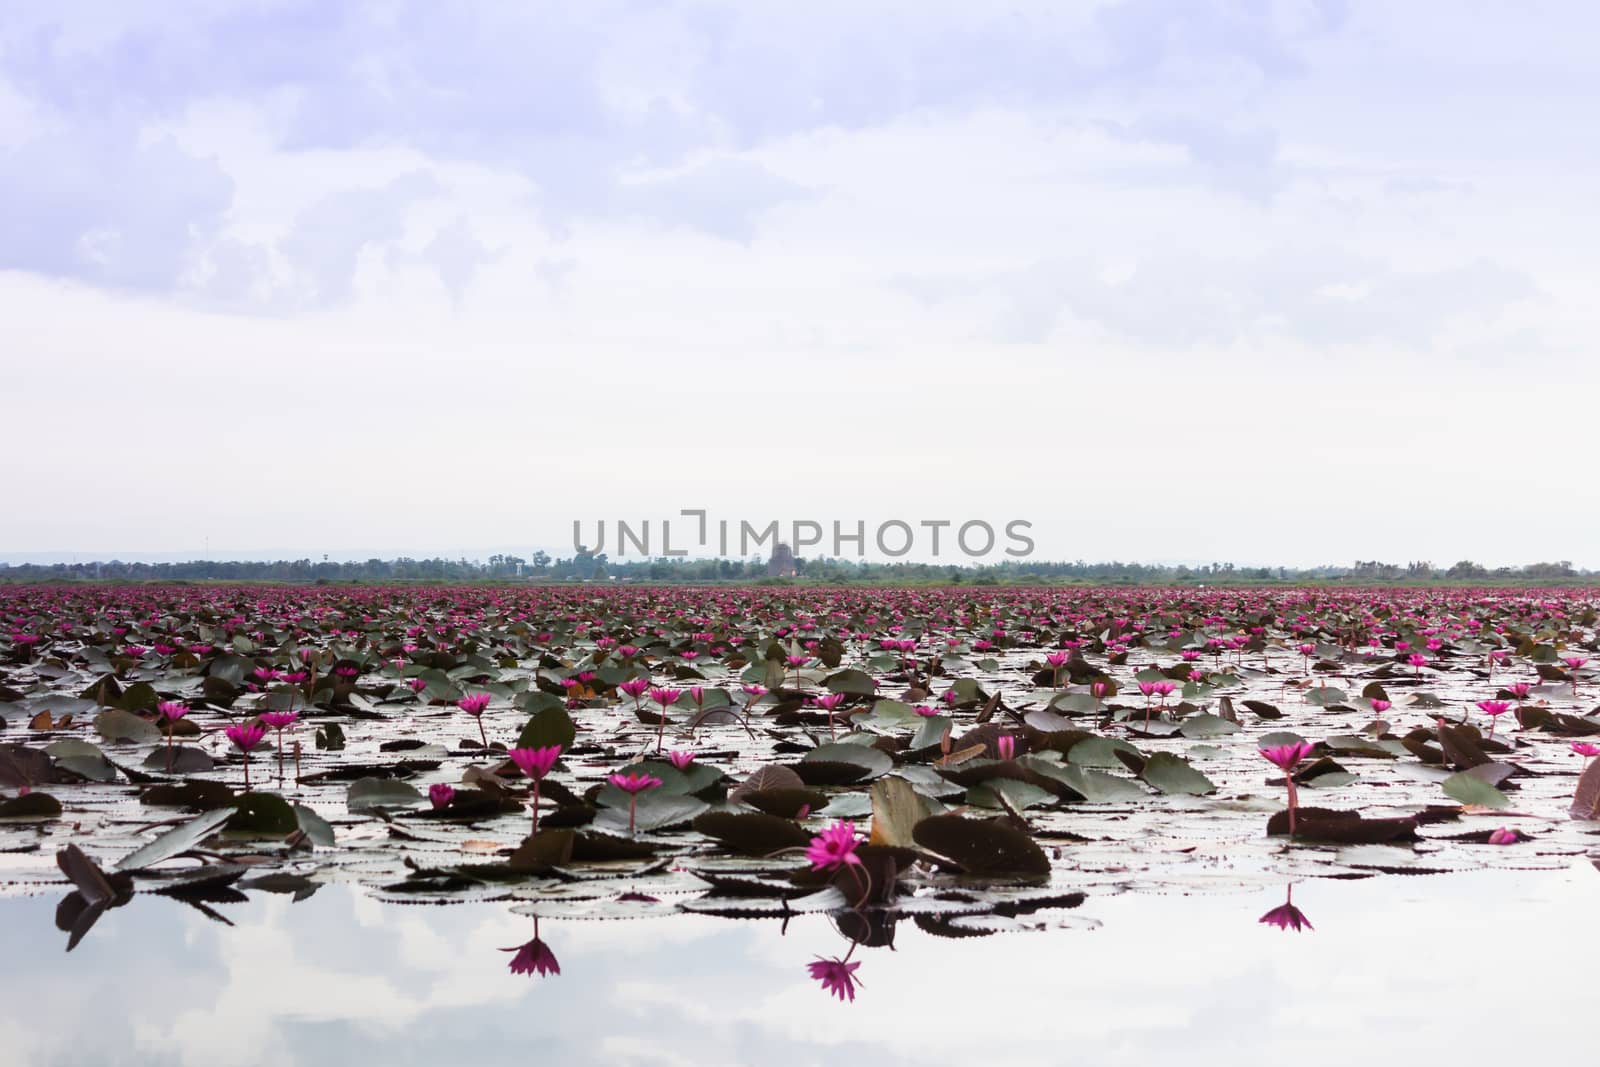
x,y
982,848
751,833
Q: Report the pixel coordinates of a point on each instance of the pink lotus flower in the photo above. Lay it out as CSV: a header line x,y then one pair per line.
x,y
172,711
246,736
535,763
837,976
440,795
828,703
666,698
633,785
1006,746
474,704
1288,757
279,721
680,759
417,684
1588,750
634,687
834,847
1504,836
1379,705
1494,709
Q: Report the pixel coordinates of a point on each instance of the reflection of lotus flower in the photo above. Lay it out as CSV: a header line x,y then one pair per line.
x,y
1286,916
837,976
534,957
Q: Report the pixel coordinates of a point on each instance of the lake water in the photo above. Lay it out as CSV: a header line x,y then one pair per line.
x,y
1474,967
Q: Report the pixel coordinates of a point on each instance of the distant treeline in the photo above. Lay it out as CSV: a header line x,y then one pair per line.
x,y
586,566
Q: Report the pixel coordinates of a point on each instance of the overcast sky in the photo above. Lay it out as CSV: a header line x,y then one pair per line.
x,y
1290,282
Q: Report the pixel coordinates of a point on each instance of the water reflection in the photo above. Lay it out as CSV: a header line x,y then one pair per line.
x,y
1286,916
533,957
837,975
343,975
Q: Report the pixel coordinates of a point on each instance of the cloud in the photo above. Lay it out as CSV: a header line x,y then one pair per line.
x,y
1319,297
724,197
324,246
108,208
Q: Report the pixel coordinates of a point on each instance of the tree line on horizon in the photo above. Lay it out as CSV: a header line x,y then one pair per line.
x,y
590,566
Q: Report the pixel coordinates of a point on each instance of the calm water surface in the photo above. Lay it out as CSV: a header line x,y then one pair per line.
x,y
1487,965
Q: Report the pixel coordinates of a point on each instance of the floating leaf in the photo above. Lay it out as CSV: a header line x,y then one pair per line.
x,y
982,848
30,806
365,794
118,725
548,726
1472,790
1173,775
896,810
263,813
177,841
752,833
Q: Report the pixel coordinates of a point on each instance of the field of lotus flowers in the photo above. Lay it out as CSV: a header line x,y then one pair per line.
x,y
973,761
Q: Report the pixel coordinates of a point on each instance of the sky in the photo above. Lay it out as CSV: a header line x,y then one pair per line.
x,y
1270,282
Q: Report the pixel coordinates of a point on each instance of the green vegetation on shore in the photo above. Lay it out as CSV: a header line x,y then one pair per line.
x,y
590,567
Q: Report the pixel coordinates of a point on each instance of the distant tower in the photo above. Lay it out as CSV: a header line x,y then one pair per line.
x,y
781,565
